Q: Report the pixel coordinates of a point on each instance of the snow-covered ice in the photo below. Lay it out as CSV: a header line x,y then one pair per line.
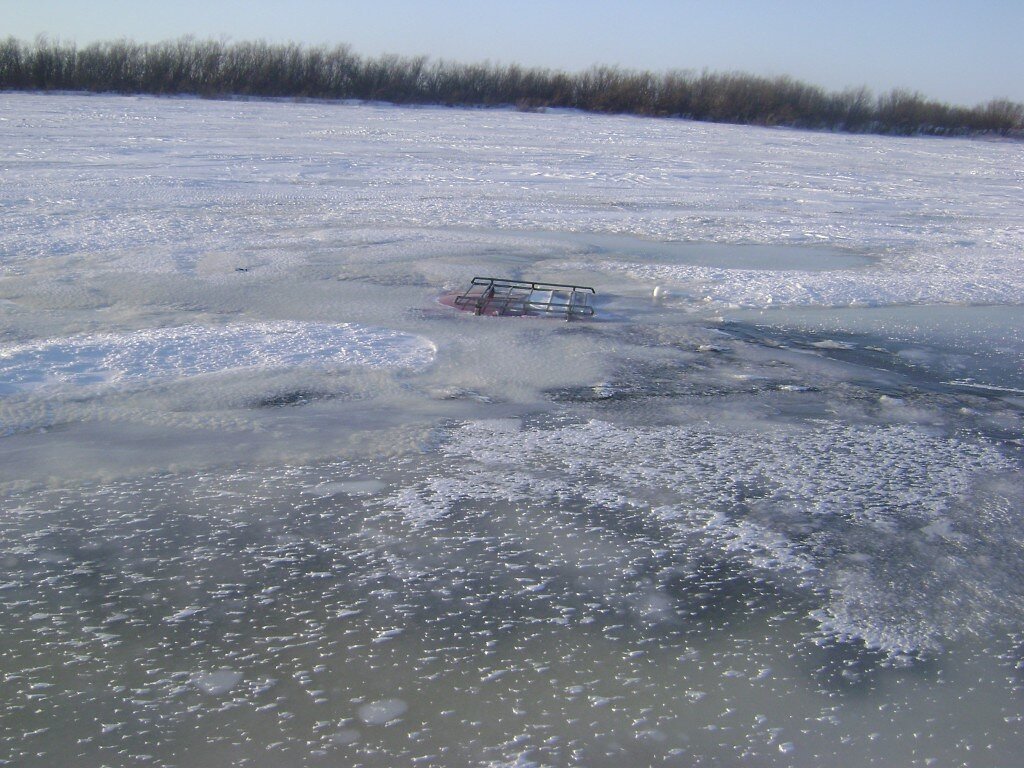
x,y
267,501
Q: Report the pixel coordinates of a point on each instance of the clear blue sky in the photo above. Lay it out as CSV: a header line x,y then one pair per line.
x,y
963,51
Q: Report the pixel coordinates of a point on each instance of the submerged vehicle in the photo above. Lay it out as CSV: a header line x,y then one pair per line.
x,y
505,297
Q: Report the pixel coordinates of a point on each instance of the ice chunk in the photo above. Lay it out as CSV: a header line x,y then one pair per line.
x,y
184,613
382,711
218,682
350,487
345,736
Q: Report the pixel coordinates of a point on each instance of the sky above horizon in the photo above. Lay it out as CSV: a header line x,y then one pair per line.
x,y
949,50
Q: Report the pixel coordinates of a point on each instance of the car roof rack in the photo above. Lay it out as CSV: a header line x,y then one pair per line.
x,y
501,296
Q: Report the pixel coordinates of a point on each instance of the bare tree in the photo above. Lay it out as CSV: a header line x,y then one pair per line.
x,y
216,68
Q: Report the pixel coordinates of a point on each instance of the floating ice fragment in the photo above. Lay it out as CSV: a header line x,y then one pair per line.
x,y
652,734
217,683
350,487
345,736
382,711
184,613
942,528
831,344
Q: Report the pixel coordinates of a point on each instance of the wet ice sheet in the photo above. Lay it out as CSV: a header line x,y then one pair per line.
x,y
831,506
512,611
679,534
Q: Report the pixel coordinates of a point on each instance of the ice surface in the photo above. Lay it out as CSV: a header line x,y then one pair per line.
x,y
267,501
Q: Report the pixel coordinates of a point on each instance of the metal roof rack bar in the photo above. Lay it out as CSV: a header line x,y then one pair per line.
x,y
502,296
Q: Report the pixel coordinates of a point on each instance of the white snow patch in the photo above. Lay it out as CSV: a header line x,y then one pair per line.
x,y
194,350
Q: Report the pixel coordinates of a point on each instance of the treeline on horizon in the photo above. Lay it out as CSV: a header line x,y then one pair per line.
x,y
259,69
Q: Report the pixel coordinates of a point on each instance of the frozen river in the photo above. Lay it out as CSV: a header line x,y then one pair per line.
x,y
267,502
